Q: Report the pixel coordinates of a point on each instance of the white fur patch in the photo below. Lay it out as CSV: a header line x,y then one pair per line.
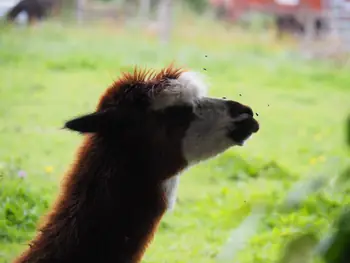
x,y
170,188
207,135
186,89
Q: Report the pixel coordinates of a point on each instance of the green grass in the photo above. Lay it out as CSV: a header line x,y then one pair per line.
x,y
51,73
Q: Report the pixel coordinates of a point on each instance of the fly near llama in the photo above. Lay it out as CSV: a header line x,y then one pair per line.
x,y
147,128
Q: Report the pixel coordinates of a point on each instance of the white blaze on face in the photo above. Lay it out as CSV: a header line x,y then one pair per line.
x,y
207,135
212,127
186,89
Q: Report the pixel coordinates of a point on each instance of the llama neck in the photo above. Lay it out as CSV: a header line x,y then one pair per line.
x,y
108,210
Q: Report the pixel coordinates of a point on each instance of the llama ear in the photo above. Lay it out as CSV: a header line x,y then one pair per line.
x,y
89,123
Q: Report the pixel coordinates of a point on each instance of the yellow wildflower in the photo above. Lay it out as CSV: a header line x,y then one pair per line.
x,y
49,169
313,160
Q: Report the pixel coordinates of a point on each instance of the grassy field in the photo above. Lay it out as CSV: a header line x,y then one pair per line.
x,y
50,73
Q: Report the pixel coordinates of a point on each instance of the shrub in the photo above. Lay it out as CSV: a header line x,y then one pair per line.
x,y
21,206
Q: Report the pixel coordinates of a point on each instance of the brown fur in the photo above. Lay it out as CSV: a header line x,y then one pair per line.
x,y
111,200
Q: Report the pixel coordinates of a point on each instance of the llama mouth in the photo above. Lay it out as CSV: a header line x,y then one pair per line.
x,y
243,127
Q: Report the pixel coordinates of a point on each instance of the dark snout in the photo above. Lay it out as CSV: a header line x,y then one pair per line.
x,y
242,113
244,124
236,109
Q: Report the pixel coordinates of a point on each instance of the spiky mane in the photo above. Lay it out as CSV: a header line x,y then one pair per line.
x,y
142,76
145,81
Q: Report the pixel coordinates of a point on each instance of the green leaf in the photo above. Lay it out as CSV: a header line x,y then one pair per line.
x,y
299,249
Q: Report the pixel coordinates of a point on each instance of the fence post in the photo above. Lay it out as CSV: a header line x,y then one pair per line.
x,y
144,9
165,20
79,10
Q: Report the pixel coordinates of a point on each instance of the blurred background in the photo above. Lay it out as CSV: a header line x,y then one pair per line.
x,y
281,198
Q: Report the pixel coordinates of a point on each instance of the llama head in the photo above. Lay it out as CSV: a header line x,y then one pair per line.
x,y
168,114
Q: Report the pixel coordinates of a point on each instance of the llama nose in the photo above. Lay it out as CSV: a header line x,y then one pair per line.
x,y
236,109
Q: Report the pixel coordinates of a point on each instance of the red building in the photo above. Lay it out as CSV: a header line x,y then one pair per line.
x,y
293,15
236,8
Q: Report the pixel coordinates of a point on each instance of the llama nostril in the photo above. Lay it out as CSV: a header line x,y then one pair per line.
x,y
249,111
237,109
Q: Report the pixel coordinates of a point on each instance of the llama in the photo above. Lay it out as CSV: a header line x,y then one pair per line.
x,y
35,9
148,126
289,23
